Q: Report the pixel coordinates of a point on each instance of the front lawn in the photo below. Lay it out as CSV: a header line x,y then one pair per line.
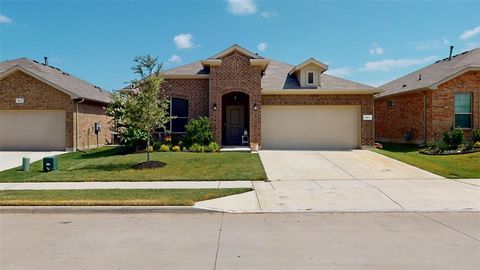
x,y
107,164
113,197
451,166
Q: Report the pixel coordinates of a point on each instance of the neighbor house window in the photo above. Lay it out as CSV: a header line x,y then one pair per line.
x,y
178,109
391,103
463,110
310,77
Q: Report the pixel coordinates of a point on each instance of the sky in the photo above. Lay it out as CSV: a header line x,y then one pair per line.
x,y
371,42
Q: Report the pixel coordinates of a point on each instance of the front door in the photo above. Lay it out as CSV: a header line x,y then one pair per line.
x,y
234,124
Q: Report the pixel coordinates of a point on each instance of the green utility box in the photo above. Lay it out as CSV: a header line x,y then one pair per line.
x,y
50,164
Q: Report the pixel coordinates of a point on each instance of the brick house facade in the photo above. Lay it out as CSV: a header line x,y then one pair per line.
x,y
424,114
39,96
236,77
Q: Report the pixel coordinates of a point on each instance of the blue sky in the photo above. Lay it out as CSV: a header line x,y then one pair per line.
x,y
365,41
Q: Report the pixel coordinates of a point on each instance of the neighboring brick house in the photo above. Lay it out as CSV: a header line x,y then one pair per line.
x,y
45,108
419,107
276,105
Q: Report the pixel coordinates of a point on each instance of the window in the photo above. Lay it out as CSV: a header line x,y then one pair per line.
x,y
179,109
463,110
391,103
310,77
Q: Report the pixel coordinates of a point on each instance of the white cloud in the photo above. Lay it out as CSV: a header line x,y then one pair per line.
x,y
389,64
262,46
340,72
184,41
376,49
268,14
446,42
470,33
242,7
5,19
175,59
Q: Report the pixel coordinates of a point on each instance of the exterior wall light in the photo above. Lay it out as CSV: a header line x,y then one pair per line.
x,y
214,106
255,106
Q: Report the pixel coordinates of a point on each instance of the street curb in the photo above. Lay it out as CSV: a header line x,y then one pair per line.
x,y
102,209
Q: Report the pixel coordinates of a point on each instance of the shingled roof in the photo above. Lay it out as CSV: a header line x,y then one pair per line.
x,y
277,77
433,75
65,82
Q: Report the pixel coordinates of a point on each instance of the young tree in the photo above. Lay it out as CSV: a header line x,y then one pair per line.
x,y
141,112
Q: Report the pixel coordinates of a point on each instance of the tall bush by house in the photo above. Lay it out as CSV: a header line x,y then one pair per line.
x,y
199,132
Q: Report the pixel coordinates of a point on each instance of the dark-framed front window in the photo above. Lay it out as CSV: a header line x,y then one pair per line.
x,y
179,110
463,110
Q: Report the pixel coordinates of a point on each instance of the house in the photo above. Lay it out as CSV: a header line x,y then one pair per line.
x,y
45,108
419,107
270,104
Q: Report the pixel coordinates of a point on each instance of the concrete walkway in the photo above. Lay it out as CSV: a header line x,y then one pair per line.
x,y
126,185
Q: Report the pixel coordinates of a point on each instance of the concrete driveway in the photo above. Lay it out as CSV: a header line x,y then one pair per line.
x,y
12,159
337,165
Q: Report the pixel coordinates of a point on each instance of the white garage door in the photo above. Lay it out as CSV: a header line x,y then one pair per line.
x,y
32,130
310,127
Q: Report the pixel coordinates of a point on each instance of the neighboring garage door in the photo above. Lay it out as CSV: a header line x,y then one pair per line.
x,y
32,130
310,127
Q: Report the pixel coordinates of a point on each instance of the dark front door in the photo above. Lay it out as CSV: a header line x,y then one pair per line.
x,y
234,124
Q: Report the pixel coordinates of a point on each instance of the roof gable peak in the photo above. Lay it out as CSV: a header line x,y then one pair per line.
x,y
236,48
309,61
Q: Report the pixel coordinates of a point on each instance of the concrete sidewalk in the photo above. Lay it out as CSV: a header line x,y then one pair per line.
x,y
126,185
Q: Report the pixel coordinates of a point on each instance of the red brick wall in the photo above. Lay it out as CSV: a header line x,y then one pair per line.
x,y
392,123
41,96
194,90
235,74
443,103
37,96
365,101
88,114
406,116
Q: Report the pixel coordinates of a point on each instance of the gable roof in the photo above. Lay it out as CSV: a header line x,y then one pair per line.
x,y
238,48
65,82
433,75
277,75
308,62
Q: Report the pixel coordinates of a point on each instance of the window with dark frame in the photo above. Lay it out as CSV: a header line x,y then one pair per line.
x,y
310,77
179,109
463,110
391,103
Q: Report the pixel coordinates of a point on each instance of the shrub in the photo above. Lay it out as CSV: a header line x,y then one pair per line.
x,y
197,148
453,138
476,135
198,132
213,147
176,148
150,149
476,145
441,145
156,145
164,148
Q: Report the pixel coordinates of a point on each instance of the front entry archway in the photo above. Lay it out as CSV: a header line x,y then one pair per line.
x,y
235,117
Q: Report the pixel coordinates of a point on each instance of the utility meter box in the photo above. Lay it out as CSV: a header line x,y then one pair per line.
x,y
50,164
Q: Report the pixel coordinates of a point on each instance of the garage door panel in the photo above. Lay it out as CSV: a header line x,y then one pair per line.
x,y
307,127
32,130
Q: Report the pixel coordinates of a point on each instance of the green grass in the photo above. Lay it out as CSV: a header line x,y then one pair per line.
x,y
107,164
451,166
104,197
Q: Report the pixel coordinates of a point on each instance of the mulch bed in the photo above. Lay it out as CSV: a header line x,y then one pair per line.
x,y
437,152
149,165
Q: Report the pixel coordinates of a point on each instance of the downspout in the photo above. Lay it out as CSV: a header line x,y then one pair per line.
x,y
76,124
425,117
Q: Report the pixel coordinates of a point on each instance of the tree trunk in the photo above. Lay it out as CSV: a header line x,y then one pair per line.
x,y
148,150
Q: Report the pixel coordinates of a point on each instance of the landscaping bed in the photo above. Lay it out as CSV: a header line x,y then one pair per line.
x,y
113,197
109,164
